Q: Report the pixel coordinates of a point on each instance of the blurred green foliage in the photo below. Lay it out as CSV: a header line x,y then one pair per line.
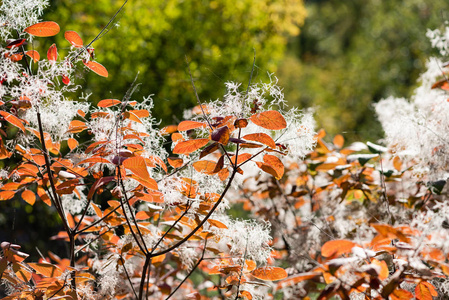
x,y
153,38
355,52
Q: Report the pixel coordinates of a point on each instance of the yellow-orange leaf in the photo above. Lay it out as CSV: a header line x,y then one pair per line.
x,y
34,55
29,197
175,162
242,157
339,141
12,119
73,38
401,294
96,68
169,129
187,147
108,102
337,247
425,290
217,224
52,53
270,119
132,116
292,280
205,166
137,166
72,143
45,269
275,163
43,29
141,113
223,174
269,273
383,274
261,138
187,125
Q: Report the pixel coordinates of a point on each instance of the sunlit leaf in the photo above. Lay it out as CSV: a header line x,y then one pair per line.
x,y
337,247
292,280
108,102
270,119
425,291
401,294
269,273
48,270
33,54
217,224
96,68
72,143
43,29
137,166
274,163
29,197
261,138
205,166
52,53
12,119
187,147
175,162
188,125
339,141
73,38
169,129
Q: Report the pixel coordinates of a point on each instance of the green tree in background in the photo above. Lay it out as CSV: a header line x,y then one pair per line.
x,y
153,38
353,53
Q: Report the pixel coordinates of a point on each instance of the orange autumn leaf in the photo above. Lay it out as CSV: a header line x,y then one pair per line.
x,y
384,272
188,125
217,224
175,162
168,129
337,247
96,68
270,119
223,174
137,166
43,29
401,294
33,54
187,147
108,102
46,269
52,53
275,163
242,157
339,141
205,166
29,197
425,291
72,143
73,38
292,280
261,138
269,273
12,119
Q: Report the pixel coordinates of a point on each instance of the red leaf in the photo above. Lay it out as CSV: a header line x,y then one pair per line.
x,y
96,68
270,119
261,138
43,29
187,125
137,166
12,119
33,54
108,102
187,147
269,273
65,79
52,53
337,247
73,38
